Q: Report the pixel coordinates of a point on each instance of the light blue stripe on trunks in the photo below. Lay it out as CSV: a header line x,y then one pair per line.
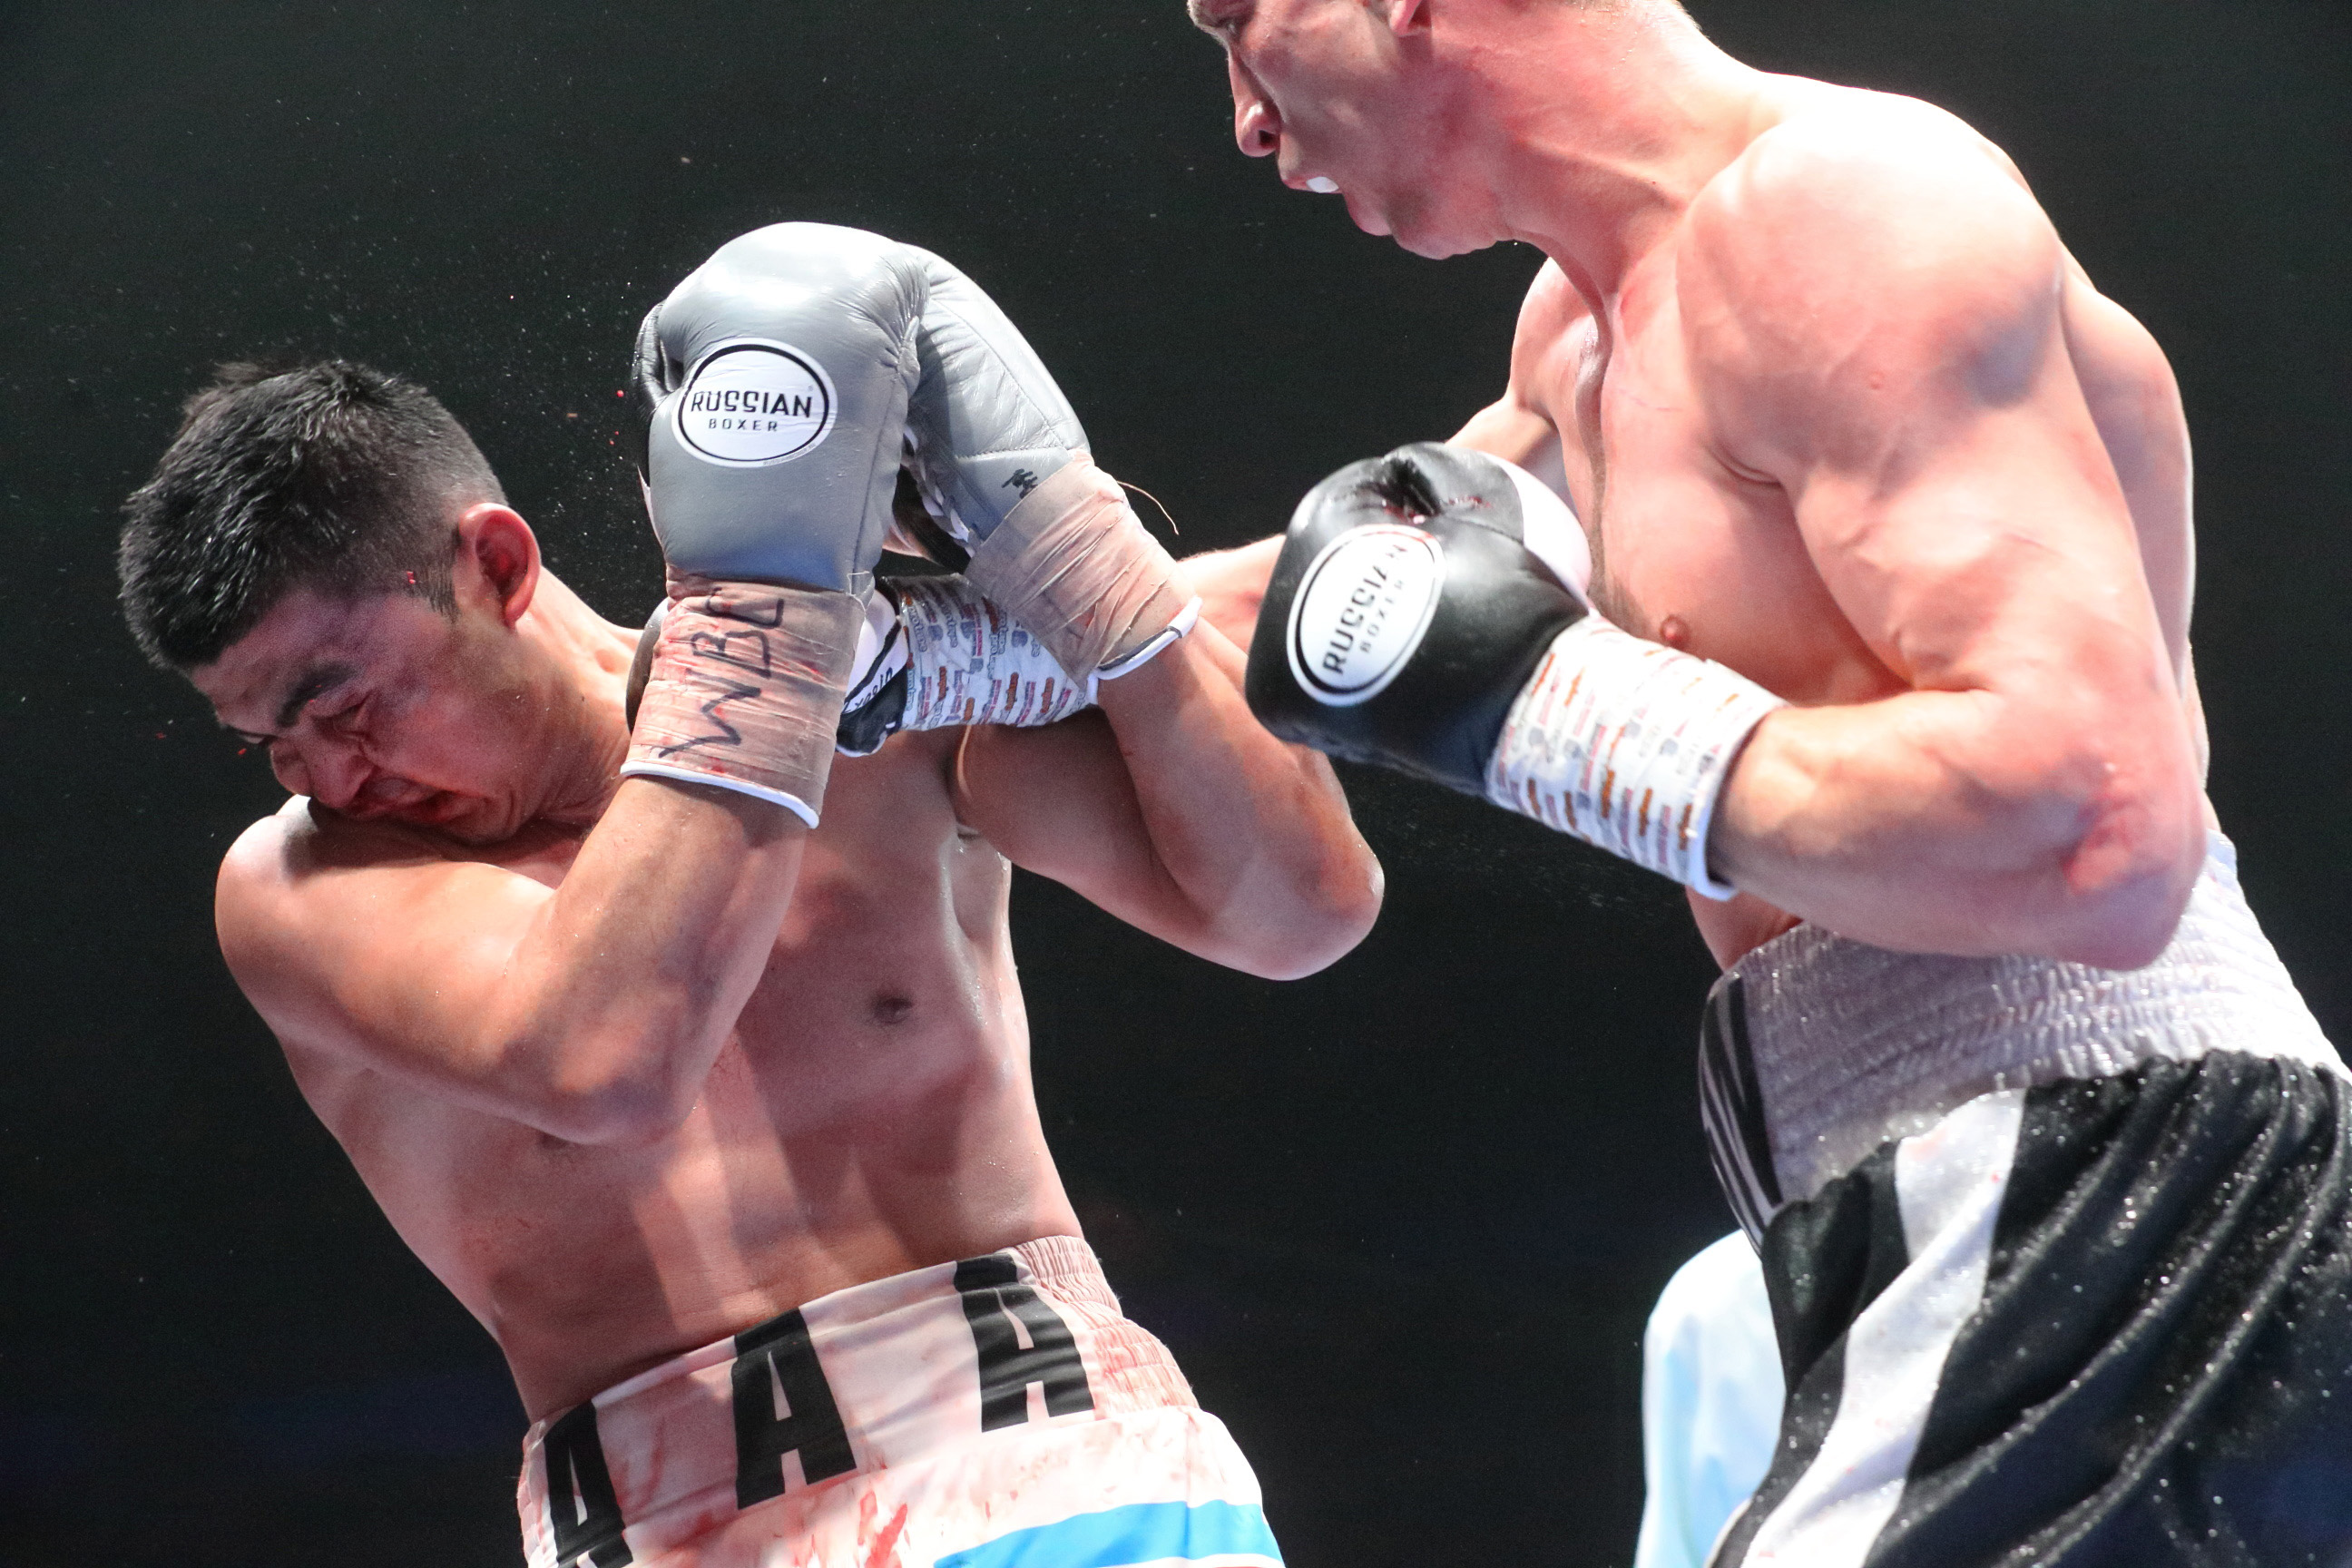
x,y
1140,1532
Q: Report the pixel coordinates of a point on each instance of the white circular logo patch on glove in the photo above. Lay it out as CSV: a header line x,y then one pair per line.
x,y
1361,610
751,402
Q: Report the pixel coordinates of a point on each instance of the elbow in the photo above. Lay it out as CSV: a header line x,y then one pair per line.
x,y
1344,916
1324,921
2129,924
2127,877
619,1111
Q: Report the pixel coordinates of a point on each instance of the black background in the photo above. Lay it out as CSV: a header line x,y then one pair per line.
x,y
1401,1221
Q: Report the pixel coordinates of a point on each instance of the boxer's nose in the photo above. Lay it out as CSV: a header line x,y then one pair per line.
x,y
1257,125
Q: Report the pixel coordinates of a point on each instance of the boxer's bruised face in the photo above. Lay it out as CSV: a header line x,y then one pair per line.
x,y
1345,94
379,707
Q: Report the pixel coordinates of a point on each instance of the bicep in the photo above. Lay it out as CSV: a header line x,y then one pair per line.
x,y
1518,426
1057,800
1910,388
392,966
1990,548
1508,428
1063,799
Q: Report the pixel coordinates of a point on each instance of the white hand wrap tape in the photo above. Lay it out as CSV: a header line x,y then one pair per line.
x,y
1625,744
1073,565
969,662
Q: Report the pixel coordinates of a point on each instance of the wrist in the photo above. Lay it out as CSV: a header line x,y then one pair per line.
x,y
970,662
745,691
1627,744
1074,566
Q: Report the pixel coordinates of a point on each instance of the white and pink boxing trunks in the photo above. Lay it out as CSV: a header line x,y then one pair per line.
x,y
996,1413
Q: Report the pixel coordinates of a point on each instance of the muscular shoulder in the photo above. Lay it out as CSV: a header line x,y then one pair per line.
x,y
278,878
295,840
258,897
1552,306
1850,158
1865,245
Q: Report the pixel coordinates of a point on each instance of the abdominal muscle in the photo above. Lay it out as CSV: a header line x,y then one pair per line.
x,y
871,1113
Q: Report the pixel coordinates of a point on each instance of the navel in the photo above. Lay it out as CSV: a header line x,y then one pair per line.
x,y
891,1009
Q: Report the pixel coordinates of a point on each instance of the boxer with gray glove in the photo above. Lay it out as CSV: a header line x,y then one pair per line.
x,y
1427,614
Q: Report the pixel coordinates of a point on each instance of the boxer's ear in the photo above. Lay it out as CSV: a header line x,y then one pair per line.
x,y
498,559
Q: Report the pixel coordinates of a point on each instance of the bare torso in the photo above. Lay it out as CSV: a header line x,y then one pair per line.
x,y
1691,551
871,1112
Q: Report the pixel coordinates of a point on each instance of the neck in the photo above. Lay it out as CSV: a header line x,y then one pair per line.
x,y
1611,122
585,662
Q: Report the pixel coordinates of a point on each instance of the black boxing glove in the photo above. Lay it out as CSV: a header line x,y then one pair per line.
x,y
1407,610
1427,614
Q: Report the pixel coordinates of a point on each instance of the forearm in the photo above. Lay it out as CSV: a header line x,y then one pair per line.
x,y
1253,836
630,979
1949,822
1232,586
618,998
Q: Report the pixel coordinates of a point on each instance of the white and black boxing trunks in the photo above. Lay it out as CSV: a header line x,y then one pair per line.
x,y
2060,1258
995,1412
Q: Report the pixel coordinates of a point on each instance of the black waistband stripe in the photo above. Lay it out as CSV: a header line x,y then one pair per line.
x,y
783,1407
1002,1311
581,1505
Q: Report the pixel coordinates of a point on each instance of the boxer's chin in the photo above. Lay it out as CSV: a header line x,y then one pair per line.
x,y
1424,233
1437,248
1436,242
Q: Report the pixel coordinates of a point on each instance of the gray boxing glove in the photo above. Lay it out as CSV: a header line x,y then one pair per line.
x,y
987,424
771,390
782,384
1001,462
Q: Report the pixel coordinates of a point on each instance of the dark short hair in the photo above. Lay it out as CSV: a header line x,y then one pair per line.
x,y
329,476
